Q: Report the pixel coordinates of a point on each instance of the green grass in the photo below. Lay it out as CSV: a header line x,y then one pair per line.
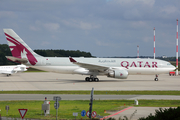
x,y
96,92
67,108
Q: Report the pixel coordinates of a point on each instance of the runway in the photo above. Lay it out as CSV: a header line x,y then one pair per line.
x,y
7,97
55,81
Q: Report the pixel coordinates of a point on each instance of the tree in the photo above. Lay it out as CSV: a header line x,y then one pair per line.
x,y
5,51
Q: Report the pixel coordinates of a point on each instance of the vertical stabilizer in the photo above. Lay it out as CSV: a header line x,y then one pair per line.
x,y
19,48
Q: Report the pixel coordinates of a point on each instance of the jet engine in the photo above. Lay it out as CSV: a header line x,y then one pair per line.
x,y
117,73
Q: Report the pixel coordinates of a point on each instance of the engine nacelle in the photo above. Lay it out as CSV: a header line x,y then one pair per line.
x,y
120,74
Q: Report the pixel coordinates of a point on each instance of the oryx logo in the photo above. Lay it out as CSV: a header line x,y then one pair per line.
x,y
20,51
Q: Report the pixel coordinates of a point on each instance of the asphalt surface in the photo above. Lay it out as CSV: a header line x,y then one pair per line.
x,y
55,81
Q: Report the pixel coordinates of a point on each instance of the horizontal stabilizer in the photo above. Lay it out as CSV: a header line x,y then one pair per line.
x,y
15,59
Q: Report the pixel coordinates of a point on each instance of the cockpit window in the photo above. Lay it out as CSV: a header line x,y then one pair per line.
x,y
168,63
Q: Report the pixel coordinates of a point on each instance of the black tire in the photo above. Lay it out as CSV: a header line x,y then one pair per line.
x,y
87,79
90,79
96,79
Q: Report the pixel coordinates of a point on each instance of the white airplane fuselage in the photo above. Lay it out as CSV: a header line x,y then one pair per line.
x,y
12,69
133,66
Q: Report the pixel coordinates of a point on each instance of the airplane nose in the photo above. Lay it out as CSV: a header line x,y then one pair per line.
x,y
173,67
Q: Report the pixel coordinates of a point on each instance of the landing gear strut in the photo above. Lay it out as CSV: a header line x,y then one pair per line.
x,y
8,75
92,78
156,78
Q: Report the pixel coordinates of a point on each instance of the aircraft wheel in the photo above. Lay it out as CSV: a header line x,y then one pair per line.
x,y
87,79
156,79
90,79
96,79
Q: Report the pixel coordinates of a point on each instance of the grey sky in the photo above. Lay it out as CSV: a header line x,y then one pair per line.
x,y
105,28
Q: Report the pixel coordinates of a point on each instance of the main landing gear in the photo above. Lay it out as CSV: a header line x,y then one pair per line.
x,y
156,78
92,78
8,75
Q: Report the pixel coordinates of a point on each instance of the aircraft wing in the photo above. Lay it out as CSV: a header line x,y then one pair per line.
x,y
15,59
91,67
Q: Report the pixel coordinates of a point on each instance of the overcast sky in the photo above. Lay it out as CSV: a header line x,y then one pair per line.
x,y
105,28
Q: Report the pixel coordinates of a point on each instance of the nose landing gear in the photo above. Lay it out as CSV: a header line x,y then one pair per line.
x,y
156,78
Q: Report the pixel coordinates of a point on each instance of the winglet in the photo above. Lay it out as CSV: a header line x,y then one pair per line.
x,y
72,60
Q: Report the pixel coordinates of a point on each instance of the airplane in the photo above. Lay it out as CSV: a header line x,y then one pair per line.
x,y
118,68
8,70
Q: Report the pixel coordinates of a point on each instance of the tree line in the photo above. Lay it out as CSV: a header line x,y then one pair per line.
x,y
161,58
62,53
5,51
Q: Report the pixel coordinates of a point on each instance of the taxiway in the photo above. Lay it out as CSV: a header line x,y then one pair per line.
x,y
55,81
